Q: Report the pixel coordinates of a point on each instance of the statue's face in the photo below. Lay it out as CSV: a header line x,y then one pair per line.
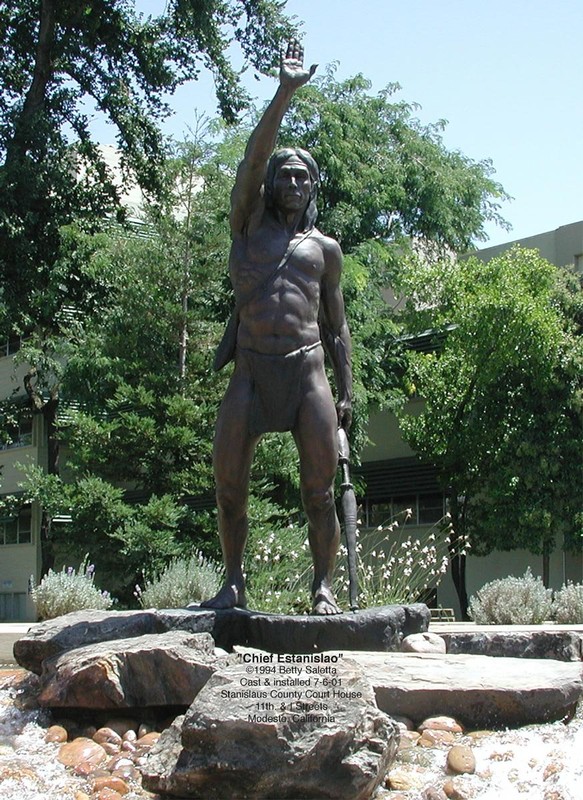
x,y
292,185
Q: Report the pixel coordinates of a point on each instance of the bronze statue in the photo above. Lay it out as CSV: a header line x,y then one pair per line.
x,y
286,278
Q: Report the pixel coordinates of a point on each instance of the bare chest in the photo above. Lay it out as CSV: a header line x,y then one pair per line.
x,y
266,258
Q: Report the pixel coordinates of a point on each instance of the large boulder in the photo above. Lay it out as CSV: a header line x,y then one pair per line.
x,y
80,628
259,732
478,691
166,669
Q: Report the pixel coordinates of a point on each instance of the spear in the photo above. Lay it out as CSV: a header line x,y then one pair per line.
x,y
348,516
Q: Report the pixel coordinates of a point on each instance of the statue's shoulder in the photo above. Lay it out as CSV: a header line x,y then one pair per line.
x,y
330,247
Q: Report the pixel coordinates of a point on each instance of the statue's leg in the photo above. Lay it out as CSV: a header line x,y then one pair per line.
x,y
316,437
232,457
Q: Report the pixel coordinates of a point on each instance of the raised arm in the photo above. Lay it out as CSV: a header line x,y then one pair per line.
x,y
251,172
335,333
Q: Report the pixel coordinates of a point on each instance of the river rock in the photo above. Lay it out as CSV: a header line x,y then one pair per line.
x,y
461,759
167,669
423,643
441,724
82,751
260,741
56,733
435,738
477,691
110,782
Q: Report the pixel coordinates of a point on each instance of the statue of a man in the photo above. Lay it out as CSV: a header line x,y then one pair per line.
x,y
286,278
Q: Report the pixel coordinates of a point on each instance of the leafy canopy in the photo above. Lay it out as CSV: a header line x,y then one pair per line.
x,y
502,398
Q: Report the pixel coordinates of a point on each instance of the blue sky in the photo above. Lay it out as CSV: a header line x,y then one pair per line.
x,y
507,75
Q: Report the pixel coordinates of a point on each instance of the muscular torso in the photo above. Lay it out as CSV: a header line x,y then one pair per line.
x,y
283,315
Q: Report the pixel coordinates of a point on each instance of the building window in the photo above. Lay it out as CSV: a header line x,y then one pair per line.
x,y
426,509
17,530
17,434
12,606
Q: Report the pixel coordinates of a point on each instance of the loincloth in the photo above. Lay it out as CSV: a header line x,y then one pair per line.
x,y
277,388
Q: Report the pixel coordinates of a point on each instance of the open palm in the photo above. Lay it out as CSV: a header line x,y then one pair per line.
x,y
292,72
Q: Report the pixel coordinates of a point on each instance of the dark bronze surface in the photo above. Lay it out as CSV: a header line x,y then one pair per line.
x,y
289,309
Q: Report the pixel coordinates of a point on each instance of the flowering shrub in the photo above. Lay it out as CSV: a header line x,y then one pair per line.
x,y
184,581
512,601
567,608
69,590
397,569
278,570
391,568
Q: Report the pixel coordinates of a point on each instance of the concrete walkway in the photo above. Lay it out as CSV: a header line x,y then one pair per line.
x,y
9,633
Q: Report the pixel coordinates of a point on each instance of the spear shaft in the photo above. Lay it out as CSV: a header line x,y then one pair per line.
x,y
349,516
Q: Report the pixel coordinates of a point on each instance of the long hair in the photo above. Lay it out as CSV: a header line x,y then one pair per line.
x,y
278,158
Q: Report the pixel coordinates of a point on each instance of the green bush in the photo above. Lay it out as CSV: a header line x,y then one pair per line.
x,y
568,605
69,590
512,601
183,581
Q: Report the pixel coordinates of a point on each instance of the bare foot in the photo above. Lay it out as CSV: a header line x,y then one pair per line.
x,y
230,596
324,603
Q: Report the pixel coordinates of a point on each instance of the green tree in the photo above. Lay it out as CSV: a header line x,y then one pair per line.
x,y
61,60
386,177
58,57
502,398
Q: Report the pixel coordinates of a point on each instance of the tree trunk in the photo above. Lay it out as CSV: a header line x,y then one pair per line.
x,y
458,561
35,97
49,412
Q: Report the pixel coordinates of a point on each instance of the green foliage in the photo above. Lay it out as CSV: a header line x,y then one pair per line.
x,y
69,590
567,606
501,396
185,580
385,176
512,601
127,538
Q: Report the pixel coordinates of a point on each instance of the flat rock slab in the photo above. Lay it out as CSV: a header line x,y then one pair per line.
x,y
561,645
155,670
258,732
375,629
477,691
80,628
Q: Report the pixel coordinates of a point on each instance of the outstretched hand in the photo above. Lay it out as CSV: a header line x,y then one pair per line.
x,y
292,72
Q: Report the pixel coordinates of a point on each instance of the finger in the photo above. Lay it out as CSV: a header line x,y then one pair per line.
x,y
291,47
297,50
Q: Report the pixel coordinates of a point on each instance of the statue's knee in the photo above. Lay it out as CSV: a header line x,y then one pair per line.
x,y
319,501
231,501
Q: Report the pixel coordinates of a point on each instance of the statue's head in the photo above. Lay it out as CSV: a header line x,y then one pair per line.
x,y
285,159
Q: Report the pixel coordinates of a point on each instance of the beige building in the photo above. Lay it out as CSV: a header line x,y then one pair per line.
x,y
395,479
19,539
